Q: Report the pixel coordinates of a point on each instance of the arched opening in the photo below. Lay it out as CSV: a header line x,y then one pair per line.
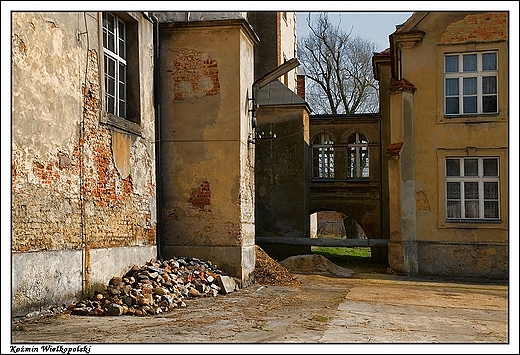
x,y
338,225
334,224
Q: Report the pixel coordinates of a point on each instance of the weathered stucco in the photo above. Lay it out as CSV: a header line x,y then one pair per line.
x,y
425,242
207,185
77,184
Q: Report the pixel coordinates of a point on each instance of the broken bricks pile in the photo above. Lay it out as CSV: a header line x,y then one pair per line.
x,y
157,287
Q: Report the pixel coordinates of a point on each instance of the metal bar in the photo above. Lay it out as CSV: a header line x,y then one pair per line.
x,y
329,242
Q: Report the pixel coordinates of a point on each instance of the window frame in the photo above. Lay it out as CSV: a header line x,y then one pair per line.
x,y
131,121
464,180
323,162
472,223
501,48
358,147
117,56
462,75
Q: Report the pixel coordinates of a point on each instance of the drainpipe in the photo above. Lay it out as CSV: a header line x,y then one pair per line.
x,y
381,215
157,111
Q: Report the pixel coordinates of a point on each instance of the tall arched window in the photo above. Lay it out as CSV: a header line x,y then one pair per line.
x,y
357,157
322,156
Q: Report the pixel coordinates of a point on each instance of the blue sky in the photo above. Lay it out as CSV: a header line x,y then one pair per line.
x,y
374,26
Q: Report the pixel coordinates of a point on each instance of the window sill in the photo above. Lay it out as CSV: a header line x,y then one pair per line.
x,y
473,224
477,118
122,124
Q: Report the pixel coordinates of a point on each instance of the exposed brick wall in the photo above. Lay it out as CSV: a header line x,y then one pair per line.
x,y
47,206
489,26
300,86
195,75
201,196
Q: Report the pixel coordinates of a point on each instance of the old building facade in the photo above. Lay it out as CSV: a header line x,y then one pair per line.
x,y
139,135
132,140
444,105
83,170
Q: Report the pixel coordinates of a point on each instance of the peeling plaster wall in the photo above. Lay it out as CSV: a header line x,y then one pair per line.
x,y
206,73
78,185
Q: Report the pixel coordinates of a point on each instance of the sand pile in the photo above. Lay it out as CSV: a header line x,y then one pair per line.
x,y
314,264
269,272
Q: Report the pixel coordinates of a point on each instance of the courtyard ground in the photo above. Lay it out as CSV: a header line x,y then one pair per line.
x,y
409,314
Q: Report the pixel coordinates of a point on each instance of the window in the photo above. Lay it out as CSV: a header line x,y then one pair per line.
x,y
121,70
115,65
470,83
322,156
357,156
472,189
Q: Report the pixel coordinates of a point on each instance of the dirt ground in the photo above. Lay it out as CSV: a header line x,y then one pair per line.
x,y
363,309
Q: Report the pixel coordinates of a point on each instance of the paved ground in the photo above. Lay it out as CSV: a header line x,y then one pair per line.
x,y
386,310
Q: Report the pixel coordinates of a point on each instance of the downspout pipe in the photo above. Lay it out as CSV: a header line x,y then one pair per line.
x,y
157,111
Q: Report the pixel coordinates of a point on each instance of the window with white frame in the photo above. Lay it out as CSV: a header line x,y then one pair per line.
x,y
121,68
357,156
115,65
471,83
323,156
472,188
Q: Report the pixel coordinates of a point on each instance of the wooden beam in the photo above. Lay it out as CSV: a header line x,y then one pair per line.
x,y
329,242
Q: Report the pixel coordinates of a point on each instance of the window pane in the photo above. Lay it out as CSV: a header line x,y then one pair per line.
x,y
122,91
471,190
489,104
469,104
364,162
453,190
470,167
122,40
471,209
452,105
491,167
491,190
108,31
489,61
111,104
490,209
469,62
453,209
452,87
352,163
451,63
452,167
470,86
489,85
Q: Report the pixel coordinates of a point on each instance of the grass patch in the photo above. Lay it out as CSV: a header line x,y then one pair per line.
x,y
356,259
320,319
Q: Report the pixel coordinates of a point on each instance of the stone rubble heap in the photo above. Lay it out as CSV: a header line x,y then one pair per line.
x,y
157,287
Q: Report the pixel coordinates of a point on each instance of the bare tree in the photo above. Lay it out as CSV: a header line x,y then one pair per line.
x,y
339,67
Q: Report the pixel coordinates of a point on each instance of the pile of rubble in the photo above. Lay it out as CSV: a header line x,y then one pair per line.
x,y
161,286
157,287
